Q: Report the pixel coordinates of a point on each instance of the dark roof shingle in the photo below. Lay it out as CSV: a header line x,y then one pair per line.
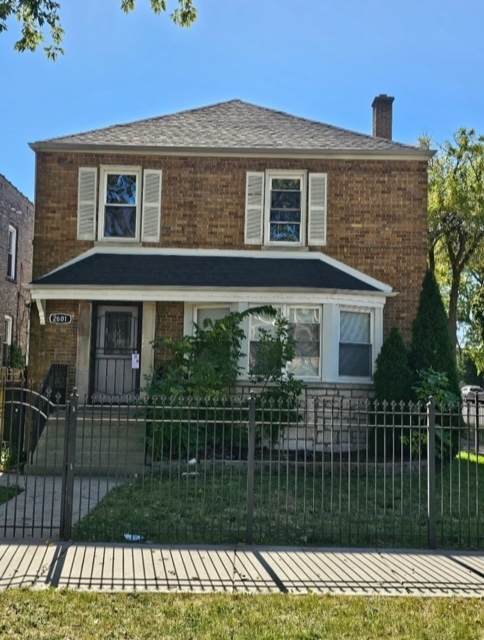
x,y
191,271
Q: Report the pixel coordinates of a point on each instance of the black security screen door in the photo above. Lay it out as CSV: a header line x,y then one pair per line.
x,y
116,339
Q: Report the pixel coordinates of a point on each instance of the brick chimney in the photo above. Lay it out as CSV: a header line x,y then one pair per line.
x,y
382,116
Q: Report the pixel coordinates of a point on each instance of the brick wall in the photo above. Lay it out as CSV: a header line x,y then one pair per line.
x,y
377,215
18,211
54,343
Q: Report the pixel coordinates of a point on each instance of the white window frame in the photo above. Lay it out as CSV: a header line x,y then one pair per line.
x,y
271,174
198,307
284,309
7,338
106,170
371,312
12,251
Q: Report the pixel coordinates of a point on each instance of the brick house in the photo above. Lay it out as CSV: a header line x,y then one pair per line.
x,y
144,228
16,233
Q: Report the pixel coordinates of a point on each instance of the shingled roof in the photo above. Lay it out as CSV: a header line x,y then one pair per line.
x,y
231,126
161,270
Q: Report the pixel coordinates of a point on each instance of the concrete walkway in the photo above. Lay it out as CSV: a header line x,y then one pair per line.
x,y
240,569
36,512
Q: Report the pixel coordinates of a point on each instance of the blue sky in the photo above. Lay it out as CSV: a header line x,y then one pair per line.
x,y
321,60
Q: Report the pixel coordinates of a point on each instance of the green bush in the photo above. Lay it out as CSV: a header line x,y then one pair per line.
x,y
431,346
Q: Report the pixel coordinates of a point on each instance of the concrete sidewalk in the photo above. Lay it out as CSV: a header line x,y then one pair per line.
x,y
240,569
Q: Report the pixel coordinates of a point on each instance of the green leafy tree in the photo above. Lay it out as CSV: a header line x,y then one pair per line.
x,y
431,346
203,371
41,17
456,216
274,351
393,375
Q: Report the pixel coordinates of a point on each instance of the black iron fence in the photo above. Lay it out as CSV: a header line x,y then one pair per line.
x,y
327,471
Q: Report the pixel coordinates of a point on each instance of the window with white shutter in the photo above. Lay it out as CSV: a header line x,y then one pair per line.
x,y
286,208
317,209
254,208
151,216
86,204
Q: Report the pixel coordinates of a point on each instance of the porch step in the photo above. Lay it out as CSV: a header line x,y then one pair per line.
x,y
105,447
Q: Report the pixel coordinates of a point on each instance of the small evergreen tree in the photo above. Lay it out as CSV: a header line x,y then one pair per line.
x,y
393,375
431,346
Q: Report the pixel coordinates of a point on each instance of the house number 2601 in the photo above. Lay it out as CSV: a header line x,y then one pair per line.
x,y
60,318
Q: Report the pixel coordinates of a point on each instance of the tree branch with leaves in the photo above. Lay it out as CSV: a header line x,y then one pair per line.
x,y
456,214
40,19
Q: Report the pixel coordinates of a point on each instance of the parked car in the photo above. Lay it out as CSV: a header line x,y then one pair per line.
x,y
471,392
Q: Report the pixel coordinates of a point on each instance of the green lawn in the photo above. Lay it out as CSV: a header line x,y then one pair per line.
x,y
65,615
323,506
7,493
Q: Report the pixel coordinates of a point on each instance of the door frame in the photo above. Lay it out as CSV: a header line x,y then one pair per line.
x,y
94,325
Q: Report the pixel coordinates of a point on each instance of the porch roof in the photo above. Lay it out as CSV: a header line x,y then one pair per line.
x,y
172,270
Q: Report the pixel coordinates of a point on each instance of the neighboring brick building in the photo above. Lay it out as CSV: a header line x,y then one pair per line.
x,y
144,228
16,233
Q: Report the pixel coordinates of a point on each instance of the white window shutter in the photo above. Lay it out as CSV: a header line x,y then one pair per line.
x,y
254,208
151,216
86,204
317,209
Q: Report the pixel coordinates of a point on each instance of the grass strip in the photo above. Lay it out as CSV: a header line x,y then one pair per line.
x,y
66,614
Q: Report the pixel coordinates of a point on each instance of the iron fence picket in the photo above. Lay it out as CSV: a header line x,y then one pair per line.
x,y
179,470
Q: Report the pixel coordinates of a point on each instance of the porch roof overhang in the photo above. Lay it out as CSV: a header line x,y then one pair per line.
x,y
123,273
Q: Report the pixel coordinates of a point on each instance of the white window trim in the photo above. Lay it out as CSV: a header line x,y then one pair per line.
x,y
12,232
104,171
355,309
299,175
196,308
8,322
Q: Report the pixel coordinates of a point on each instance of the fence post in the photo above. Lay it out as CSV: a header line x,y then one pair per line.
x,y
67,496
432,541
250,473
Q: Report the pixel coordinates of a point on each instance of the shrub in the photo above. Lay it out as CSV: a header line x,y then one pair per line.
x,y
431,346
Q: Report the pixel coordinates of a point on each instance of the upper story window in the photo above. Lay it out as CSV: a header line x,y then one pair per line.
x,y
12,253
127,207
119,204
285,208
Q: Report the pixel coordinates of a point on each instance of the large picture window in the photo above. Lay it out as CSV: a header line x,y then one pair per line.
x,y
355,346
305,330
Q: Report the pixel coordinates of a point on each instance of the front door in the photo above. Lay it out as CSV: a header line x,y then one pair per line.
x,y
117,336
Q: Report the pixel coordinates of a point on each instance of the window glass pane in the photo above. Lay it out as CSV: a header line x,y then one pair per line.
x,y
355,360
120,222
213,313
304,367
304,328
117,336
286,184
285,210
303,316
258,322
355,327
285,200
284,215
285,232
121,189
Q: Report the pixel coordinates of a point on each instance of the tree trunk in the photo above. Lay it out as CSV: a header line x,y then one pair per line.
x,y
453,299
